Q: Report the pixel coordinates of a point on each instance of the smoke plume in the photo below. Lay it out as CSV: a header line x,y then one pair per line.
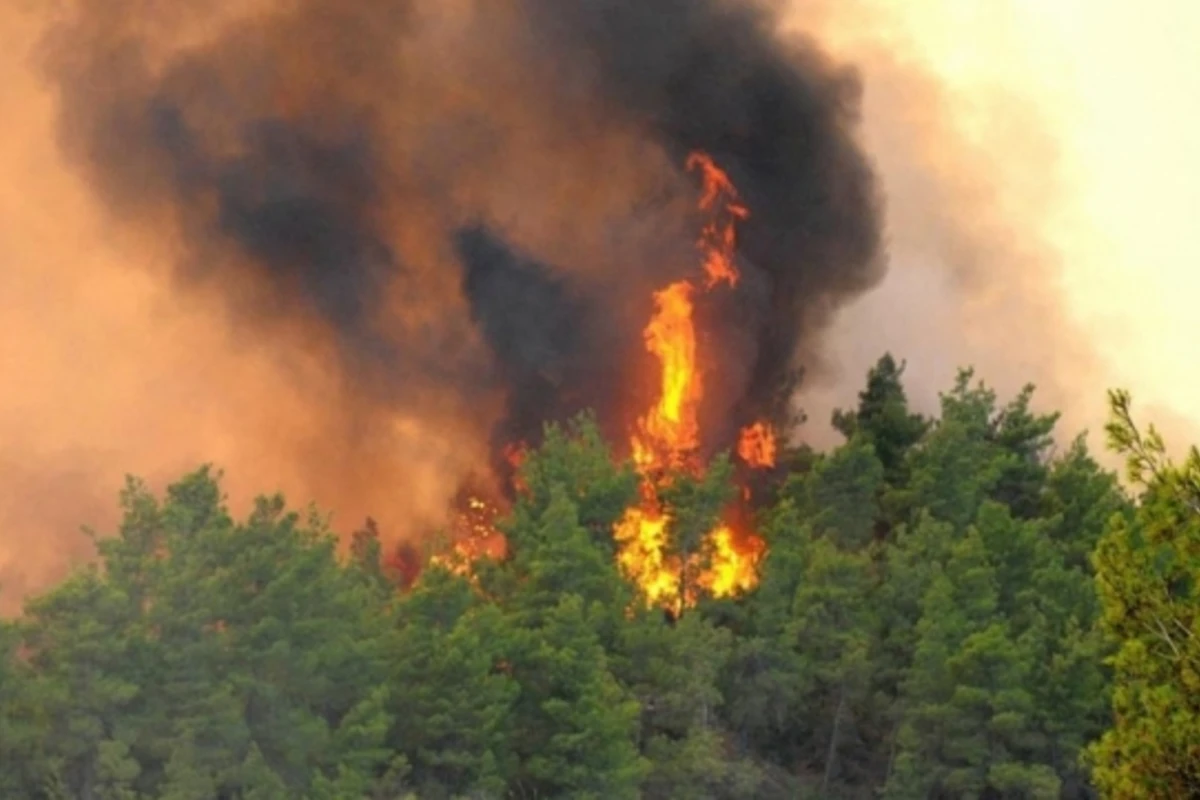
x,y
354,249
461,210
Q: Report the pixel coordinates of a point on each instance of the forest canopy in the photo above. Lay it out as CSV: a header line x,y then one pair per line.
x,y
948,607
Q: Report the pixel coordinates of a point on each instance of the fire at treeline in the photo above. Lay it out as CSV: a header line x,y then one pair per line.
x,y
544,276
490,216
667,437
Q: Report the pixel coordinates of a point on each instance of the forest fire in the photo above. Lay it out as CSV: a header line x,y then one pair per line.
x,y
718,238
666,442
435,274
757,446
667,436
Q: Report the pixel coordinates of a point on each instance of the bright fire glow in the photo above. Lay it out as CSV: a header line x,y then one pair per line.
x,y
735,563
475,537
668,434
757,445
671,337
666,441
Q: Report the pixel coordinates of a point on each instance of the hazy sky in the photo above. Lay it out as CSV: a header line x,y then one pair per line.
x,y
1083,119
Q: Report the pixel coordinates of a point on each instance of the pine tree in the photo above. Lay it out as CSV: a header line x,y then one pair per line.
x,y
966,700
831,631
927,623
23,720
575,460
201,640
673,672
957,466
451,696
1027,437
1148,570
80,643
840,497
883,419
573,725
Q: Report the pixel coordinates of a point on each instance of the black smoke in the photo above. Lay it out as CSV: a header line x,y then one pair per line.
x,y
537,328
477,199
779,118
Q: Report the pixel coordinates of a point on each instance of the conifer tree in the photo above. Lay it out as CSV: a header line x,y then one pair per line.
x,y
1148,573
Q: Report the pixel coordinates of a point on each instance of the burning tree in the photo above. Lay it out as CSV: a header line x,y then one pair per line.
x,y
679,537
670,555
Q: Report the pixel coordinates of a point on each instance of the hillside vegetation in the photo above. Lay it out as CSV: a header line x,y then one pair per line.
x,y
949,608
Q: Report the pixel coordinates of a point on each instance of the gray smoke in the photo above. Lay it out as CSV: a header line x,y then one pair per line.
x,y
477,199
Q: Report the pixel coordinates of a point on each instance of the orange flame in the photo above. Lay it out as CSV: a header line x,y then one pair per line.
x,y
718,237
666,439
474,537
734,563
757,445
670,336
668,434
515,455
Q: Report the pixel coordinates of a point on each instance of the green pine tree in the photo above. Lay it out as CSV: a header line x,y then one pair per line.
x,y
1148,570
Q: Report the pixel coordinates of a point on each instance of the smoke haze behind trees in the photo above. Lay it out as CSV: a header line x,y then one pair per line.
x,y
506,180
472,206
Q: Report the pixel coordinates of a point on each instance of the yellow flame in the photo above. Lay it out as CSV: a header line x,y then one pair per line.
x,y
668,434
671,337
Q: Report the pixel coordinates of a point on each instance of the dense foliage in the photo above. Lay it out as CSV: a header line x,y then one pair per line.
x,y
929,623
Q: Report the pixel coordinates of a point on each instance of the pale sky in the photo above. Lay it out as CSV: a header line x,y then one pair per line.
x,y
1116,86
1127,83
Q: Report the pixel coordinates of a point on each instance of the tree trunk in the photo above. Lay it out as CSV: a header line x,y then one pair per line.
x,y
887,778
831,757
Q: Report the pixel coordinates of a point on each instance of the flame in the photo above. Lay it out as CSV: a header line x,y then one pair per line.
x,y
515,455
473,532
671,337
666,440
735,564
718,237
474,536
642,536
668,435
757,445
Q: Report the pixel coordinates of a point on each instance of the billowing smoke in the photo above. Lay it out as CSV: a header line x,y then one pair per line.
x,y
456,212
